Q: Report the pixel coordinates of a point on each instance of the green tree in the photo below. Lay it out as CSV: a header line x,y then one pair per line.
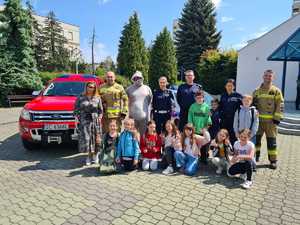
x,y
38,39
132,54
162,59
197,32
17,62
57,55
215,67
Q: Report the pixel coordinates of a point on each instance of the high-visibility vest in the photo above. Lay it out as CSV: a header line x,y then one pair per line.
x,y
269,103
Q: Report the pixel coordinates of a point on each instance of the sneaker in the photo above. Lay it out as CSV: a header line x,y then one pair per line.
x,y
273,165
247,184
88,161
96,158
219,171
168,170
243,176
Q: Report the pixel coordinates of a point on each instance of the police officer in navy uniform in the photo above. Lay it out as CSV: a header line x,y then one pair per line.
x,y
186,97
162,105
229,103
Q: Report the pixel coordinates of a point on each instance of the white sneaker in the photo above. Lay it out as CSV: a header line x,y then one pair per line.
x,y
88,161
168,170
247,184
243,176
219,171
96,158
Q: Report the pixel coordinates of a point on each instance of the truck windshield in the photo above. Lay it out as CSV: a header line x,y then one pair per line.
x,y
64,89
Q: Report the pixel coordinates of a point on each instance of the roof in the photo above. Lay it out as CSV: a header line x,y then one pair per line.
x,y
255,40
77,78
289,50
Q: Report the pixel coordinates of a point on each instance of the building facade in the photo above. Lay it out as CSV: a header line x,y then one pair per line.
x,y
70,31
253,59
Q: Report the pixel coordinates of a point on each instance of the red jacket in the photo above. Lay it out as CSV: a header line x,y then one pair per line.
x,y
150,146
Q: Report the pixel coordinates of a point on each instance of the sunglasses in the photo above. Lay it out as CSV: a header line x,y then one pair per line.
x,y
137,78
91,86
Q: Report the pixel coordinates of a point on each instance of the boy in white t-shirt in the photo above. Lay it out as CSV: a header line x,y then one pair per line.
x,y
241,162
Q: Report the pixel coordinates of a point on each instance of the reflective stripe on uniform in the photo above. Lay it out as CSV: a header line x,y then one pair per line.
x,y
265,116
272,152
265,96
112,110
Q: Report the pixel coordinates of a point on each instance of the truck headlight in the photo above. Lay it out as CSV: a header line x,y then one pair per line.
x,y
25,114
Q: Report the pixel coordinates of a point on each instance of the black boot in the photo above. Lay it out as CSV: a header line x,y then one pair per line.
x,y
257,157
273,165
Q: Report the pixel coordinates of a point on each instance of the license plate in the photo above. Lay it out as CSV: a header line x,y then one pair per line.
x,y
56,127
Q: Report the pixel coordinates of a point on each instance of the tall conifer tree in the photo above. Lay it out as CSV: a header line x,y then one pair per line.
x,y
162,59
197,32
132,54
57,55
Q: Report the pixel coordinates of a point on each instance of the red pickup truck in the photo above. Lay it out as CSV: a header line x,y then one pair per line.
x,y
49,118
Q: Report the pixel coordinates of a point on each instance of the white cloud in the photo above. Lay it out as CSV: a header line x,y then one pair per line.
x,y
240,29
262,31
101,51
240,45
217,3
251,37
226,19
102,2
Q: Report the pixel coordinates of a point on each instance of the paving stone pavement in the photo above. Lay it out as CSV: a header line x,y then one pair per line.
x,y
50,186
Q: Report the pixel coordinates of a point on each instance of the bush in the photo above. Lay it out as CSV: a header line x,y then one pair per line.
x,y
124,81
214,68
46,76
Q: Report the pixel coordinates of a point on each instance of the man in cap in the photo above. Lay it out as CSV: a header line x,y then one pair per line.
x,y
140,97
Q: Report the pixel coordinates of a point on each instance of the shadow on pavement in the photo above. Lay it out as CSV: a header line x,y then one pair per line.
x,y
54,157
208,176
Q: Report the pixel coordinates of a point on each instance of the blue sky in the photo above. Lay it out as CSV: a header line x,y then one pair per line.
x,y
239,20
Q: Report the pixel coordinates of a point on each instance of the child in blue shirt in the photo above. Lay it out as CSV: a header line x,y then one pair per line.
x,y
128,150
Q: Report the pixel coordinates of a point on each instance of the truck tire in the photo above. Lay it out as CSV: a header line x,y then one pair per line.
x,y
30,146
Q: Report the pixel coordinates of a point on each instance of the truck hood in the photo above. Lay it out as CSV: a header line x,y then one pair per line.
x,y
52,103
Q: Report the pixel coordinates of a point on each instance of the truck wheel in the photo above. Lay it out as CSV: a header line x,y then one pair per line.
x,y
30,146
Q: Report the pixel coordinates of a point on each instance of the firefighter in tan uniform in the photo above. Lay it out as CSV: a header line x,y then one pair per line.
x,y
114,100
269,102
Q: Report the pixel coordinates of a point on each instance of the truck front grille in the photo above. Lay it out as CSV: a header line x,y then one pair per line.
x,y
45,116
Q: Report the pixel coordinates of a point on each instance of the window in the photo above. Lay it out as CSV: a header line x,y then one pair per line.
x,y
70,35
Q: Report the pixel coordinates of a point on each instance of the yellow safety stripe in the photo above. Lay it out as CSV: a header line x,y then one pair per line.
x,y
272,152
265,116
278,97
113,110
266,96
278,114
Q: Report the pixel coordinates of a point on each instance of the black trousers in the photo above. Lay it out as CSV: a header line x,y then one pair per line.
x,y
204,153
241,168
227,123
169,155
183,118
160,120
298,98
127,165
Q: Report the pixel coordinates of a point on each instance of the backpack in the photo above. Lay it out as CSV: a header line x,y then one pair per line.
x,y
252,117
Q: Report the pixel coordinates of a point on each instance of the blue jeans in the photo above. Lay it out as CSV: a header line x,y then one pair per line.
x,y
188,162
253,139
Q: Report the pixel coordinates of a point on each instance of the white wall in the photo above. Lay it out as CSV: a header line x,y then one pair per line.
x,y
252,61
